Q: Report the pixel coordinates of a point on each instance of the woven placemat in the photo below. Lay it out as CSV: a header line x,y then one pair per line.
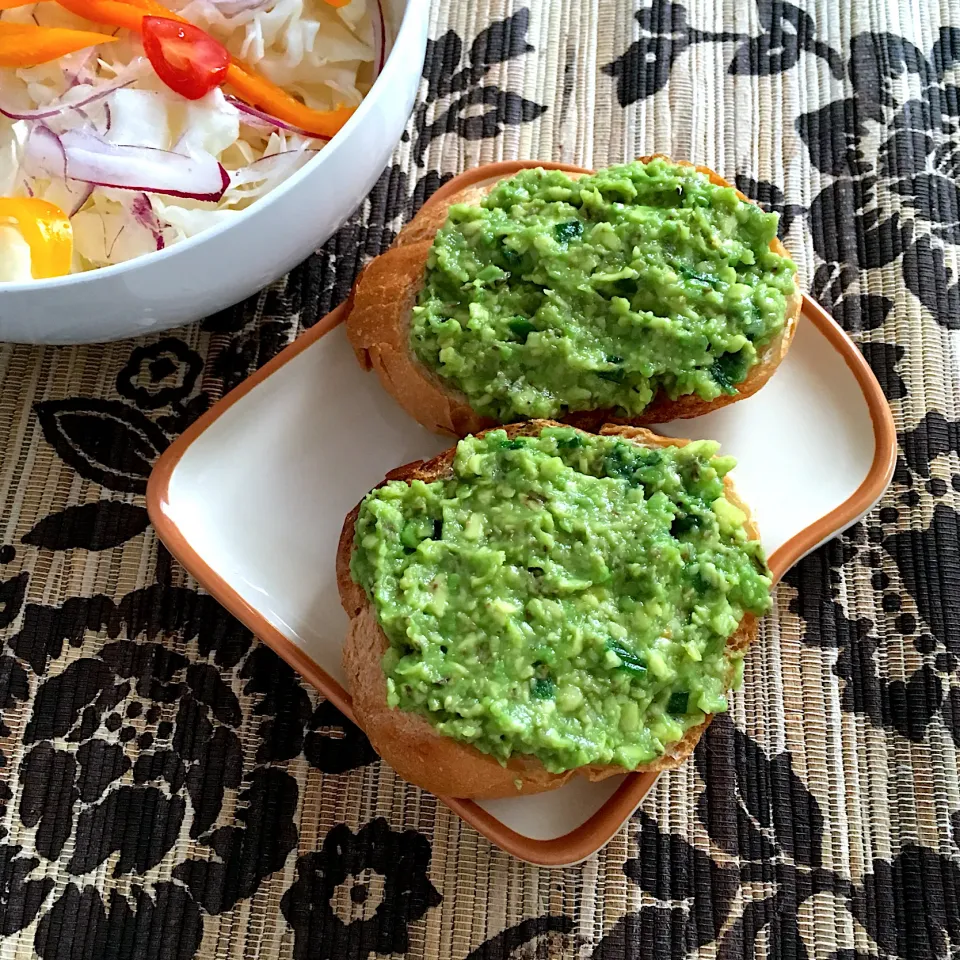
x,y
170,788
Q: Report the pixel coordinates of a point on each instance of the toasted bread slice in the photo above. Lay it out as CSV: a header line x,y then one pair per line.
x,y
378,326
405,740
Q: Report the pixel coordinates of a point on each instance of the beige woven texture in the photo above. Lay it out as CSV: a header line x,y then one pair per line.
x,y
877,790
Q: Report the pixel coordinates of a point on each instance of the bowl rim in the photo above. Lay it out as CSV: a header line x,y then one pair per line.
x,y
390,67
598,829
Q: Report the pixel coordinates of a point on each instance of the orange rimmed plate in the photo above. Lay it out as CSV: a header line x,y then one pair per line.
x,y
251,498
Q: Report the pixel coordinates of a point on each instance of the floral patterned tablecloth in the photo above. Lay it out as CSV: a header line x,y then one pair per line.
x,y
171,790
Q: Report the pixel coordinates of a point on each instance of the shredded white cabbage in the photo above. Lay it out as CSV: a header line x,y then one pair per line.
x,y
14,255
319,53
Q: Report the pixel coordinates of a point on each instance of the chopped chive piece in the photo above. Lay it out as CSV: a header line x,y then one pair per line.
x,y
689,273
728,370
684,523
678,702
543,688
629,661
571,230
521,327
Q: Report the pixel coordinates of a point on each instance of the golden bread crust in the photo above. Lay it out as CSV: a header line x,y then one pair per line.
x,y
405,740
378,327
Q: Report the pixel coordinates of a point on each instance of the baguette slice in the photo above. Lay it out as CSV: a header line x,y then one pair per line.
x,y
405,740
378,327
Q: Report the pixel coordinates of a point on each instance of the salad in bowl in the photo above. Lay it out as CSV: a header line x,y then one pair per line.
x,y
152,181
127,126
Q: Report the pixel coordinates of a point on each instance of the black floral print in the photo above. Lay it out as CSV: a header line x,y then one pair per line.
x,y
536,937
93,526
358,894
121,928
158,766
20,897
333,743
912,137
160,374
768,830
786,32
922,558
81,705
140,735
106,441
454,90
902,101
247,853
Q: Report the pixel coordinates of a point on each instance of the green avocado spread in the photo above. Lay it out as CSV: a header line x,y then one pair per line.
x,y
557,295
566,595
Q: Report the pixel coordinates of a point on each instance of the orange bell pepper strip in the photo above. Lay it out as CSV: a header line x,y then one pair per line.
x,y
338,3
260,92
13,4
249,86
26,45
47,230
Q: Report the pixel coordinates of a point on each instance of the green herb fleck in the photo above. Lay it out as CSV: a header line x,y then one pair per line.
x,y
728,370
684,523
622,461
629,661
543,688
678,703
571,230
521,327
700,584
689,273
511,256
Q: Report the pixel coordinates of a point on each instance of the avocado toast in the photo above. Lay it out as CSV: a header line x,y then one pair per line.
x,y
540,602
644,293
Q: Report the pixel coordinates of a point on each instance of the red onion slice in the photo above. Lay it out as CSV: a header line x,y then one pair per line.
x,y
379,38
77,155
55,109
267,120
143,213
73,73
44,154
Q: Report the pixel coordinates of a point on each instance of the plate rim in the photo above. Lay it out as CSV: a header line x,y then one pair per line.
x,y
602,825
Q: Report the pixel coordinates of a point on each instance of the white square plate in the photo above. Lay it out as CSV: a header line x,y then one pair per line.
x,y
251,500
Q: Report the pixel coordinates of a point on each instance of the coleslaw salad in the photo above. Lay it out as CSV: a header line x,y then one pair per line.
x,y
138,167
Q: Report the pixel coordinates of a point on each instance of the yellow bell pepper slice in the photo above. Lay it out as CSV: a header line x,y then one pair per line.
x,y
47,230
26,45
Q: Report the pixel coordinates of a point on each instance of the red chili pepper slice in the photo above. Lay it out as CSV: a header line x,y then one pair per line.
x,y
189,61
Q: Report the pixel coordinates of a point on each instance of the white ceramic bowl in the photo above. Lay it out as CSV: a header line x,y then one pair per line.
x,y
221,266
